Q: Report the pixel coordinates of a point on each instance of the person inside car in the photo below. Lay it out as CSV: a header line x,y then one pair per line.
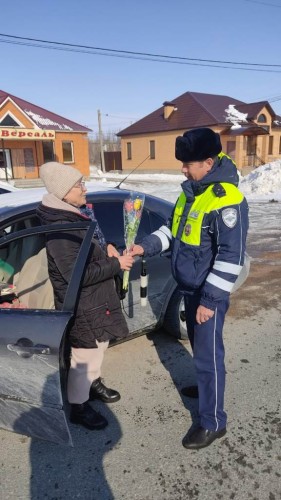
x,y
98,317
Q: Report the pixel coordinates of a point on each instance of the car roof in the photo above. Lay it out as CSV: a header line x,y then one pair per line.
x,y
26,200
30,195
8,187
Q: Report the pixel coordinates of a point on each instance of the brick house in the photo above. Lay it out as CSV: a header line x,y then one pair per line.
x,y
30,136
250,133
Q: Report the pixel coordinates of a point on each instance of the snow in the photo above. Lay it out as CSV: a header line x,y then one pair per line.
x,y
7,185
46,121
264,183
235,117
261,185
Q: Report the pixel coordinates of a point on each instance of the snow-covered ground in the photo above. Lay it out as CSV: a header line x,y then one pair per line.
x,y
263,184
260,187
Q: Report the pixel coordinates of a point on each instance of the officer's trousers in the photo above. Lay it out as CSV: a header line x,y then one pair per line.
x,y
208,357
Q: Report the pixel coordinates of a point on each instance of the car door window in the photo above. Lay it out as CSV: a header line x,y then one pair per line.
x,y
111,220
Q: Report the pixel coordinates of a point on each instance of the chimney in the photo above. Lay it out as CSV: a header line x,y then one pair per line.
x,y
169,108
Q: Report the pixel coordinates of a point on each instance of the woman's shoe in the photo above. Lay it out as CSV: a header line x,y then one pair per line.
x,y
84,414
100,391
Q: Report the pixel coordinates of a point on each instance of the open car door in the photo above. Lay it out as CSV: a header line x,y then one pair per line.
x,y
32,351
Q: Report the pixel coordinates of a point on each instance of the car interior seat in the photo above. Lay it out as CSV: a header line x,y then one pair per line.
x,y
23,263
33,285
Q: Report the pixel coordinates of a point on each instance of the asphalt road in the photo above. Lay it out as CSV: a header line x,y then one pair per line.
x,y
139,455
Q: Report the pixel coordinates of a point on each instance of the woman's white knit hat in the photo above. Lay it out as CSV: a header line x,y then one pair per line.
x,y
59,178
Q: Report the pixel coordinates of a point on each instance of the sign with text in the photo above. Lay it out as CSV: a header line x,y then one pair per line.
x,y
26,134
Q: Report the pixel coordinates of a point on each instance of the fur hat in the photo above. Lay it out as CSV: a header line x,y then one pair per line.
x,y
197,144
59,178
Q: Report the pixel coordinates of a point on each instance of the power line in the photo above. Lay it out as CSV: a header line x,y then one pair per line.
x,y
139,58
69,47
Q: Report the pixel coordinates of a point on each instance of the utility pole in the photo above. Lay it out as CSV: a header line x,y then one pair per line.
x,y
101,142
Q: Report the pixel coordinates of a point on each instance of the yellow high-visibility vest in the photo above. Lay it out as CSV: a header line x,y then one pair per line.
x,y
203,204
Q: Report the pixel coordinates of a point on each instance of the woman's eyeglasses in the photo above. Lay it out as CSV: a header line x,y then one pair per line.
x,y
80,185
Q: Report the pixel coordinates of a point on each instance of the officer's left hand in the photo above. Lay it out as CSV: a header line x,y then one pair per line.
x,y
203,314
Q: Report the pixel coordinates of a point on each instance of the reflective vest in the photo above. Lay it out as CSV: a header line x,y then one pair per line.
x,y
202,205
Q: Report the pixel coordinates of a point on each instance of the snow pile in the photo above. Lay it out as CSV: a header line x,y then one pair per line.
x,y
264,183
235,117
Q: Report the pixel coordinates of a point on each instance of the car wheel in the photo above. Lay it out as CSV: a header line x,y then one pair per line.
x,y
174,320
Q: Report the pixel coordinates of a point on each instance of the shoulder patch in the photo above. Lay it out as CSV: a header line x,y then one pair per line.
x,y
229,217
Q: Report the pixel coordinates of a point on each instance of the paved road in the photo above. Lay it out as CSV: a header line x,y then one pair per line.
x,y
140,456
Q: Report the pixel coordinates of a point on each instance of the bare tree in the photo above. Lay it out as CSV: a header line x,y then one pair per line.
x,y
110,143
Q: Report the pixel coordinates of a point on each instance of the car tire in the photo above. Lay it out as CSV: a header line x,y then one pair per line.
x,y
174,320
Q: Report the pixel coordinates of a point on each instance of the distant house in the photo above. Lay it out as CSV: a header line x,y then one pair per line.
x,y
250,133
30,136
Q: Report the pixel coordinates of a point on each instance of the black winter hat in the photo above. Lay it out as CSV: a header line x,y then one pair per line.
x,y
197,144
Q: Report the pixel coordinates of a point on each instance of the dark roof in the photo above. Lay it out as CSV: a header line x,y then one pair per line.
x,y
194,109
43,118
247,129
254,108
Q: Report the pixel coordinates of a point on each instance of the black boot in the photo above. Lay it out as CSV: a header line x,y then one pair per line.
x,y
200,438
100,391
84,414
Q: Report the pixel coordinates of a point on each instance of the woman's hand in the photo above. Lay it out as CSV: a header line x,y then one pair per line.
x,y
126,262
112,251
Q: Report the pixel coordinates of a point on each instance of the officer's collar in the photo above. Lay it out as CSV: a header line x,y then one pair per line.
x,y
193,188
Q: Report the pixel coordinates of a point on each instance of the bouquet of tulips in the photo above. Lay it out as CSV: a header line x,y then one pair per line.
x,y
132,210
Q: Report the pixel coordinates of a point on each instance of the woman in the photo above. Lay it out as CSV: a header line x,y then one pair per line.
x,y
98,317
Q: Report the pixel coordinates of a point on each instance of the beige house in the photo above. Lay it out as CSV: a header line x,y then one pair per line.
x,y
250,133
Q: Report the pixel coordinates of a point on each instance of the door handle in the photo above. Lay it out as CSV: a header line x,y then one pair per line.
x,y
25,348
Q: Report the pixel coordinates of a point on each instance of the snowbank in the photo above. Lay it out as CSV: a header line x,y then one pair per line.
x,y
264,183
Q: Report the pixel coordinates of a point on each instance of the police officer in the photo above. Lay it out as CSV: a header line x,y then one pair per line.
x,y
207,235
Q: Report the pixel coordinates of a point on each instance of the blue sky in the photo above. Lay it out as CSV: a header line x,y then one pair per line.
x,y
76,85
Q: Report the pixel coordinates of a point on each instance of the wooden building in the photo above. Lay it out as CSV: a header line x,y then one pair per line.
x,y
30,136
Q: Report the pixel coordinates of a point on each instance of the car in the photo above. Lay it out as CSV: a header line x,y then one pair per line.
x,y
5,187
33,338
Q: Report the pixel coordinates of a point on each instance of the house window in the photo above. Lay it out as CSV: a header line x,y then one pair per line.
x,y
67,151
262,118
152,150
48,151
270,145
9,121
129,150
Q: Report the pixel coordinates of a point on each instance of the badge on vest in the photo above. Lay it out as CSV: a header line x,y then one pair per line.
x,y
229,217
194,214
187,230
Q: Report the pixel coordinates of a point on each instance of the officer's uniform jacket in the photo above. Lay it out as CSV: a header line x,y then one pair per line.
x,y
207,234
